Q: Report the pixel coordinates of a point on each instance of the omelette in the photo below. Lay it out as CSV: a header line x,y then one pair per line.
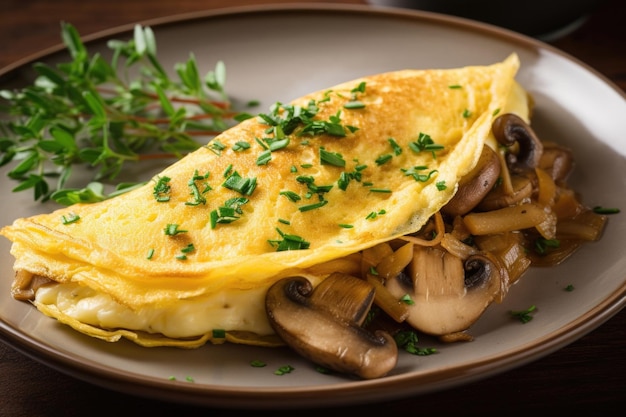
x,y
187,258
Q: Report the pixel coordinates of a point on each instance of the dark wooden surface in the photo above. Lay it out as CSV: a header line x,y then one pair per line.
x,y
587,376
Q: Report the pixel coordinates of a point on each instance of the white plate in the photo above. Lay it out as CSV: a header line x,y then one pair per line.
x,y
276,54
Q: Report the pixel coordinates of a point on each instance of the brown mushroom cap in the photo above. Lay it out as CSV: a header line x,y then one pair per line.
x,y
324,324
510,129
449,294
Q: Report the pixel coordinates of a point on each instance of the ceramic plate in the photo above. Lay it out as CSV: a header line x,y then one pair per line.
x,y
276,54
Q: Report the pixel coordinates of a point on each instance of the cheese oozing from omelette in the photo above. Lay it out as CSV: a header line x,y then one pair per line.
x,y
195,249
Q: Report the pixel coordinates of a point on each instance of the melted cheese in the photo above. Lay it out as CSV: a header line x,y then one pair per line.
x,y
107,283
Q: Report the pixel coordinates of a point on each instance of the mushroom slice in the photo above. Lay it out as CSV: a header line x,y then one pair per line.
x,y
449,294
510,129
476,184
557,160
323,324
497,198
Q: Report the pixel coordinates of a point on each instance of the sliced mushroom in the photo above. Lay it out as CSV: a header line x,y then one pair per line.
x,y
510,129
497,198
476,184
324,324
449,295
557,160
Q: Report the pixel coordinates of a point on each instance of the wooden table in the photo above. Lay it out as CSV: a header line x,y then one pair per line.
x,y
588,375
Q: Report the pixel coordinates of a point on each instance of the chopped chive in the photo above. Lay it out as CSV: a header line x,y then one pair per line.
x,y
354,105
161,190
331,158
188,249
172,230
291,195
227,171
257,364
240,146
394,145
71,218
313,206
218,333
383,159
150,254
605,210
264,157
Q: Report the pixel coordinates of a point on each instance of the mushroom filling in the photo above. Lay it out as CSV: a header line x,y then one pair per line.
x,y
514,210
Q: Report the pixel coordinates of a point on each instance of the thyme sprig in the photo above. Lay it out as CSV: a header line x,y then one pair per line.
x,y
106,113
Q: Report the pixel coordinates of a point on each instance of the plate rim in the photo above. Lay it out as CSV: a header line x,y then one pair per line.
x,y
343,393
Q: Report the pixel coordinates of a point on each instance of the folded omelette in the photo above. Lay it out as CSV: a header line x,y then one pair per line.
x,y
188,257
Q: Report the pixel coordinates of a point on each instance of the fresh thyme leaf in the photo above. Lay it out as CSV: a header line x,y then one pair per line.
x,y
107,113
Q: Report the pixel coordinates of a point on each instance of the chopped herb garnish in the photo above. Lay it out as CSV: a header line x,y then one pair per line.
x,y
313,206
257,364
383,159
380,190
323,370
467,113
569,288
218,333
425,143
228,213
455,86
441,185
605,210
240,146
161,190
354,104
375,214
70,218
284,370
359,88
264,157
289,242
407,340
415,173
283,221
244,186
406,299
172,230
150,254
397,150
346,226
188,249
216,146
331,158
543,246
197,194
291,195
524,315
